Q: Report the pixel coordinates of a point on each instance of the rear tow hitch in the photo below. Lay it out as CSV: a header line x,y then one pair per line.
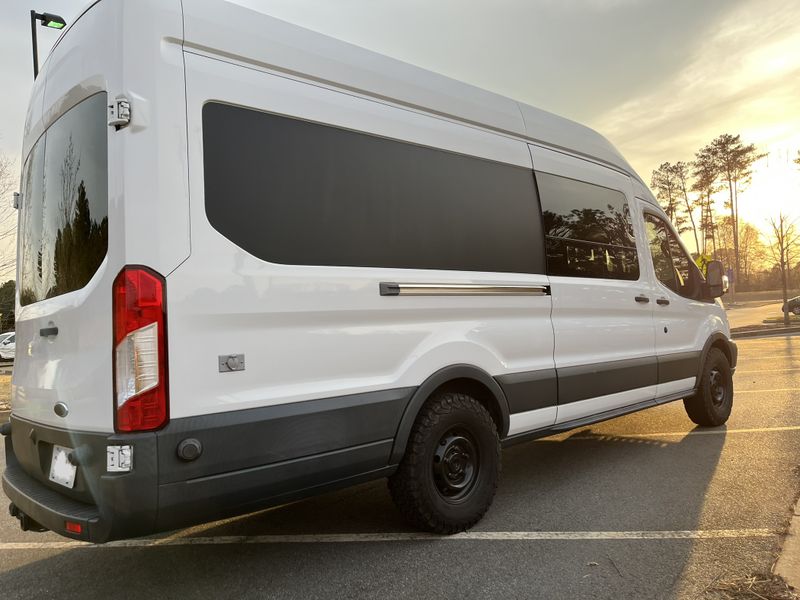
x,y
25,522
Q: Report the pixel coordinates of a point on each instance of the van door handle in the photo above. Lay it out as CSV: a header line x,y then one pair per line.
x,y
642,299
48,331
662,302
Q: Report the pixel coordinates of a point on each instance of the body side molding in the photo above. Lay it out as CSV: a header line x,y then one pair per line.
x,y
679,365
529,390
584,382
461,289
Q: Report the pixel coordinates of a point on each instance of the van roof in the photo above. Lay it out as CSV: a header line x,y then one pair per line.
x,y
231,31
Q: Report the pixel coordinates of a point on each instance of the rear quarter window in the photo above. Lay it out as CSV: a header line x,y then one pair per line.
x,y
64,213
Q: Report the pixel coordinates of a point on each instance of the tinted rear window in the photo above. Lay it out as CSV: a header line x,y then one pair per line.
x,y
64,213
294,192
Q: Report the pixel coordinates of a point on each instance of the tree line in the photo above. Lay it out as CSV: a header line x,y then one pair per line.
x,y
688,192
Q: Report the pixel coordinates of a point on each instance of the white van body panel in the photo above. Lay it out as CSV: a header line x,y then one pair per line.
x,y
225,29
73,367
312,332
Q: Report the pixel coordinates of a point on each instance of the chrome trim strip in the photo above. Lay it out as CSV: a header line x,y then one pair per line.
x,y
462,289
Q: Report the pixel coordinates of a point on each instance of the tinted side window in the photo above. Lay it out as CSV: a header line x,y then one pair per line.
x,y
64,212
294,192
674,268
658,240
588,230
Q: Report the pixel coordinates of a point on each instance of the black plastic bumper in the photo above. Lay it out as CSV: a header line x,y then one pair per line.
x,y
245,460
106,505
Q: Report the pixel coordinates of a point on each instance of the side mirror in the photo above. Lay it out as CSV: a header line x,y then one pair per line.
x,y
716,280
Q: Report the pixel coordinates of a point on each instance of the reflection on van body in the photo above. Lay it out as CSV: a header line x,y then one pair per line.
x,y
64,228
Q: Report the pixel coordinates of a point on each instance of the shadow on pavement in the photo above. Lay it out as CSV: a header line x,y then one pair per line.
x,y
587,482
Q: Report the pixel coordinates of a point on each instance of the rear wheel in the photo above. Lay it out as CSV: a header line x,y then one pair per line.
x,y
712,404
448,476
796,310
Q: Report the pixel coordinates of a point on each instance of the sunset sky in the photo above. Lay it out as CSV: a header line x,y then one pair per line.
x,y
659,79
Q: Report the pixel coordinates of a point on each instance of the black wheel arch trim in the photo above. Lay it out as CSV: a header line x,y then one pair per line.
x,y
430,385
713,340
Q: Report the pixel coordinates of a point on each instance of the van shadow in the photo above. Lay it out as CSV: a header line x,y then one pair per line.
x,y
584,482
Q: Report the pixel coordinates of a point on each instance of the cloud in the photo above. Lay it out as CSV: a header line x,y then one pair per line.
x,y
742,79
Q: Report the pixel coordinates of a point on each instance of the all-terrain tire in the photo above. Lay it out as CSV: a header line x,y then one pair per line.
x,y
711,405
448,476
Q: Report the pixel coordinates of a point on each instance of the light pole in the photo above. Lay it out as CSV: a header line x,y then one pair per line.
x,y
47,20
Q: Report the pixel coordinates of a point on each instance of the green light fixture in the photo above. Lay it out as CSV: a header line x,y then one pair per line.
x,y
47,20
53,21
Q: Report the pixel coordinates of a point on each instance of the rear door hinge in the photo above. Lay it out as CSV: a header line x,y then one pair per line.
x,y
119,112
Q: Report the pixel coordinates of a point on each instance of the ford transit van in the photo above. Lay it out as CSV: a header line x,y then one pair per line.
x,y
256,263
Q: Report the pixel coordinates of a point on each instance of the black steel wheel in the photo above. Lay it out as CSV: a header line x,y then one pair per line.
x,y
447,478
456,463
711,405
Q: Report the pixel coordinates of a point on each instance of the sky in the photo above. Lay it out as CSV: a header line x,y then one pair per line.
x,y
659,78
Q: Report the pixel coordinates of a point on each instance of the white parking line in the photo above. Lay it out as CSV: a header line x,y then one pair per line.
x,y
738,372
339,538
794,389
743,357
685,433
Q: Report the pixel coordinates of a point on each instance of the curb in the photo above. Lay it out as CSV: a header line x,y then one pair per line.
x,y
788,565
761,332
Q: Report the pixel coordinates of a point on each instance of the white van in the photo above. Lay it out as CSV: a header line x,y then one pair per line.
x,y
256,263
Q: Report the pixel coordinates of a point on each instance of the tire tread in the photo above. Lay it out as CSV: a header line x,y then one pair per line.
x,y
407,486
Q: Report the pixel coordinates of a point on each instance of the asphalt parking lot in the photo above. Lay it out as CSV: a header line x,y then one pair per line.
x,y
643,506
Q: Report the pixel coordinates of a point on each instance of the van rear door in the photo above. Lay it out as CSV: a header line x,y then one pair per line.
x,y
62,375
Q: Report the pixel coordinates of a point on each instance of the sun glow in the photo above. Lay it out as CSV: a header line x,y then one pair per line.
x,y
774,187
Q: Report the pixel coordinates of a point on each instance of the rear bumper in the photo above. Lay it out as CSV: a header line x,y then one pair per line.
x,y
47,507
106,505
249,459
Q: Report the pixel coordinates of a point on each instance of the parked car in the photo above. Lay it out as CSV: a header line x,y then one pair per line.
x,y
320,266
792,305
5,336
8,347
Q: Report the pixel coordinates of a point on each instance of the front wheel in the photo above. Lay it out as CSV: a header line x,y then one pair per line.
x,y
796,310
448,476
712,403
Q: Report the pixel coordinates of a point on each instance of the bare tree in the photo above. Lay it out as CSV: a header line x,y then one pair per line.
x,y
752,252
704,170
785,240
8,216
734,161
681,171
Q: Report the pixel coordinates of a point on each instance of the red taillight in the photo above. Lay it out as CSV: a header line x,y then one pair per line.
x,y
73,527
140,350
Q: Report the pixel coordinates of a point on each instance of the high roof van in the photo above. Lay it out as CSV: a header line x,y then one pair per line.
x,y
256,263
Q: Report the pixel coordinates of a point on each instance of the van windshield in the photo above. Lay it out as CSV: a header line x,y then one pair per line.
x,y
64,212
